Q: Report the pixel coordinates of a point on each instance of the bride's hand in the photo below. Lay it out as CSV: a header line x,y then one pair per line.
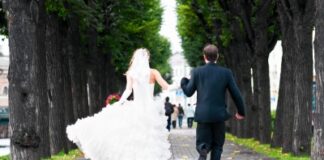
x,y
173,87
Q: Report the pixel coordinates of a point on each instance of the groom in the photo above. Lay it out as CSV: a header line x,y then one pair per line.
x,y
211,82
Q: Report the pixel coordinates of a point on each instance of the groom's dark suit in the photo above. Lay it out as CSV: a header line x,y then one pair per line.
x,y
211,82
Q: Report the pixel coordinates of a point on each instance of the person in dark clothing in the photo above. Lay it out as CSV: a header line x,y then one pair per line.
x,y
180,115
211,82
190,115
168,111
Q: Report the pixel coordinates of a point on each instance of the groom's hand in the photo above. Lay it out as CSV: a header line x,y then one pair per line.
x,y
184,81
238,116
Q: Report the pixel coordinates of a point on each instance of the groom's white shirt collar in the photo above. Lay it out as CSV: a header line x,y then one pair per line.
x,y
208,62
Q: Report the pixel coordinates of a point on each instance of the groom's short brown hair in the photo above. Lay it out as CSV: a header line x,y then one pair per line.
x,y
211,52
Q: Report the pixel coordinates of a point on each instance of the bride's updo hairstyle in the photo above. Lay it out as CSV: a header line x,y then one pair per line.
x,y
139,67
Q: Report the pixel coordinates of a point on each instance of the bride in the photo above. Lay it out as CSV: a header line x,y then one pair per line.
x,y
127,130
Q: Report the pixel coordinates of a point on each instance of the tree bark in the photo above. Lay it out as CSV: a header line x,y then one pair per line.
x,y
75,64
318,141
55,83
94,73
27,81
102,79
262,43
234,57
84,84
68,99
286,92
296,24
255,105
248,96
263,95
302,129
284,105
112,81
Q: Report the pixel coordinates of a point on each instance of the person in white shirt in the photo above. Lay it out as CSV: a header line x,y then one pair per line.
x,y
190,113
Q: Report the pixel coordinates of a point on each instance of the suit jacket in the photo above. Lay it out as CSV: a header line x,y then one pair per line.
x,y
211,82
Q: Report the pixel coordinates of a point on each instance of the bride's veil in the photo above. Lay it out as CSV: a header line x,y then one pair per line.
x,y
140,69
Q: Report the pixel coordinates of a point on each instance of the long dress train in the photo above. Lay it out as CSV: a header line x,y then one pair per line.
x,y
132,131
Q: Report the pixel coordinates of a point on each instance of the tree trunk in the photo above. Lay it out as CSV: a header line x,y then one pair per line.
x,y
263,95
248,96
284,104
296,26
318,142
286,92
262,42
55,85
94,73
79,108
302,129
102,79
84,84
68,99
255,104
112,81
242,72
27,81
237,70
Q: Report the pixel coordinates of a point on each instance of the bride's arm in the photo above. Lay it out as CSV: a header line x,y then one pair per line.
x,y
128,90
159,79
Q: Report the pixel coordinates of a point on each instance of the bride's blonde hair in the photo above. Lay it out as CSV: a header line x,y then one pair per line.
x,y
137,51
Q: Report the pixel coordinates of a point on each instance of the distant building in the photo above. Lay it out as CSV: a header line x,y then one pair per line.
x,y
180,69
4,83
4,65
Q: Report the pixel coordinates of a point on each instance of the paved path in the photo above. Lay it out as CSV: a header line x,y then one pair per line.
x,y
183,148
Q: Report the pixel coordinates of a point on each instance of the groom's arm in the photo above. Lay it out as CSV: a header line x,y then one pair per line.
x,y
235,93
189,86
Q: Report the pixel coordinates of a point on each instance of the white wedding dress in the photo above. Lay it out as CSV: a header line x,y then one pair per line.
x,y
134,130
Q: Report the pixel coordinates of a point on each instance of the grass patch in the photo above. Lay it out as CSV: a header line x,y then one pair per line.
x,y
264,149
72,155
4,157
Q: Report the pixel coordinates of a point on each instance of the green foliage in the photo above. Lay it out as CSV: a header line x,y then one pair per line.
x,y
264,149
56,6
220,23
136,24
196,26
122,26
3,21
192,34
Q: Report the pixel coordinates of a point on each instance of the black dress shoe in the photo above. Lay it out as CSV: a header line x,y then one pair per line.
x,y
203,154
202,157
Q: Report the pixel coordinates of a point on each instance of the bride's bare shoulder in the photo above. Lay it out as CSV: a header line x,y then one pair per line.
x,y
154,71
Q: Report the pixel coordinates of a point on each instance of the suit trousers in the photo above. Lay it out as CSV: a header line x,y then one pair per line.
x,y
169,123
210,137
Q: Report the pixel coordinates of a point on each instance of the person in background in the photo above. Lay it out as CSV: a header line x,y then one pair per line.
x,y
174,116
168,111
190,115
180,115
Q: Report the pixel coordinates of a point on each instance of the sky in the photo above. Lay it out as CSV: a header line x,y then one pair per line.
x,y
169,24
